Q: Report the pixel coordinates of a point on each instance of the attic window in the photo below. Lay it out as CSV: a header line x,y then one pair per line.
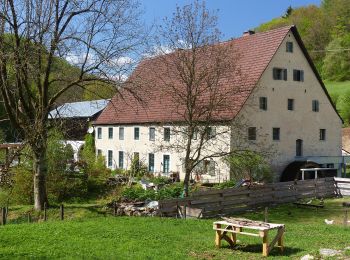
x,y
263,103
252,133
289,47
279,74
315,106
298,75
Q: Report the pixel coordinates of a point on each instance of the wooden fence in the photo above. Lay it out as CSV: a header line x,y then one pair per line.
x,y
343,186
212,203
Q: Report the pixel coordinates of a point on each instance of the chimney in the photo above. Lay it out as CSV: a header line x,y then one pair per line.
x,y
249,32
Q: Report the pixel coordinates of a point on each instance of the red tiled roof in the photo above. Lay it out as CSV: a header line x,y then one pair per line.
x,y
151,103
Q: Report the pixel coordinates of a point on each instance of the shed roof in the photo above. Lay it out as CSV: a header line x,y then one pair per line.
x,y
79,109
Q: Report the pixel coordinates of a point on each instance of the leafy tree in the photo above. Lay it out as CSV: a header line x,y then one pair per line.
x,y
336,64
34,34
249,165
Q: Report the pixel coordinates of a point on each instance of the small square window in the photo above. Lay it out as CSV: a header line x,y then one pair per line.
x,y
210,133
99,152
99,133
166,133
315,106
322,134
275,134
263,103
252,133
298,75
110,133
290,104
289,47
136,133
279,74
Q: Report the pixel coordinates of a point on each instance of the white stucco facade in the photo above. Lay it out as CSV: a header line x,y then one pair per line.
x,y
299,123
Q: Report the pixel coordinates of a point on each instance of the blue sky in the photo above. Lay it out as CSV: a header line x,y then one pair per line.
x,y
235,16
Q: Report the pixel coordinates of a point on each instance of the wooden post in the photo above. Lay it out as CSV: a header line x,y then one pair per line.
x,y
114,208
45,211
3,216
280,240
266,214
29,218
218,236
265,243
62,212
346,218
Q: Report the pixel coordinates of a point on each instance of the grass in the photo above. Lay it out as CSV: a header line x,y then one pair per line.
x,y
337,88
91,233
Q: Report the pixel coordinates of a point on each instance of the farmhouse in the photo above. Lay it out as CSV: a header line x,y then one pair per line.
x,y
281,105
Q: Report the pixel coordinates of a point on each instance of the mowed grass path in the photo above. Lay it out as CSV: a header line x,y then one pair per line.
x,y
164,238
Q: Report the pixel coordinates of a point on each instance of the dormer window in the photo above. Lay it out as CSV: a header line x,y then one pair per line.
x,y
298,75
289,47
279,74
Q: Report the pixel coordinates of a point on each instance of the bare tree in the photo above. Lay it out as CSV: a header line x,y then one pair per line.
x,y
37,37
196,77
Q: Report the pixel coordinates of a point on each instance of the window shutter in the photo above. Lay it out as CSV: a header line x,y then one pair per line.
x,y
285,74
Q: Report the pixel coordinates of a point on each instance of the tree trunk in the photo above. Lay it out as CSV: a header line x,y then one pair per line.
x,y
40,169
187,183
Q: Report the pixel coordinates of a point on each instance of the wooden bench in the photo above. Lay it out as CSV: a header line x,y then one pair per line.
x,y
236,226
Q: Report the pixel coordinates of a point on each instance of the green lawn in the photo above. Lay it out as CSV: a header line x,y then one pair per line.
x,y
337,88
90,233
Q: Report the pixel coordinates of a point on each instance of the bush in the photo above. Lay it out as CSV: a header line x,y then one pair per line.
x,y
226,184
137,193
22,190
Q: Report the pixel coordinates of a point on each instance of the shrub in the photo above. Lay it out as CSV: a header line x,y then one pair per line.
x,y
226,184
137,193
22,191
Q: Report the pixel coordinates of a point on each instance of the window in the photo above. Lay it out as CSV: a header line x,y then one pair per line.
x,y
252,133
136,160
299,147
110,133
136,133
298,75
99,152
151,162
279,74
289,47
211,132
263,103
290,104
166,163
110,158
166,133
275,134
121,160
315,106
121,133
99,133
209,167
322,134
195,134
152,133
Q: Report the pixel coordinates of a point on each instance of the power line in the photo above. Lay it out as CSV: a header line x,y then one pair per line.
x,y
334,50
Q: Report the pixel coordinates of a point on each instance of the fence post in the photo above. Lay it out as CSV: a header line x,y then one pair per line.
x,y
346,218
45,211
266,214
3,216
62,212
114,208
29,217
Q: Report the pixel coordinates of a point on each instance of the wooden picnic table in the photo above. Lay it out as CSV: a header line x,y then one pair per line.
x,y
236,226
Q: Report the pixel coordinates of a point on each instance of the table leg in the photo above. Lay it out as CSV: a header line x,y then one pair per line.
x,y
280,240
218,236
265,244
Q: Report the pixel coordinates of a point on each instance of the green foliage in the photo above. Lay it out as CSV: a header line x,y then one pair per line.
x,y
251,165
22,191
343,106
226,184
137,193
336,64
